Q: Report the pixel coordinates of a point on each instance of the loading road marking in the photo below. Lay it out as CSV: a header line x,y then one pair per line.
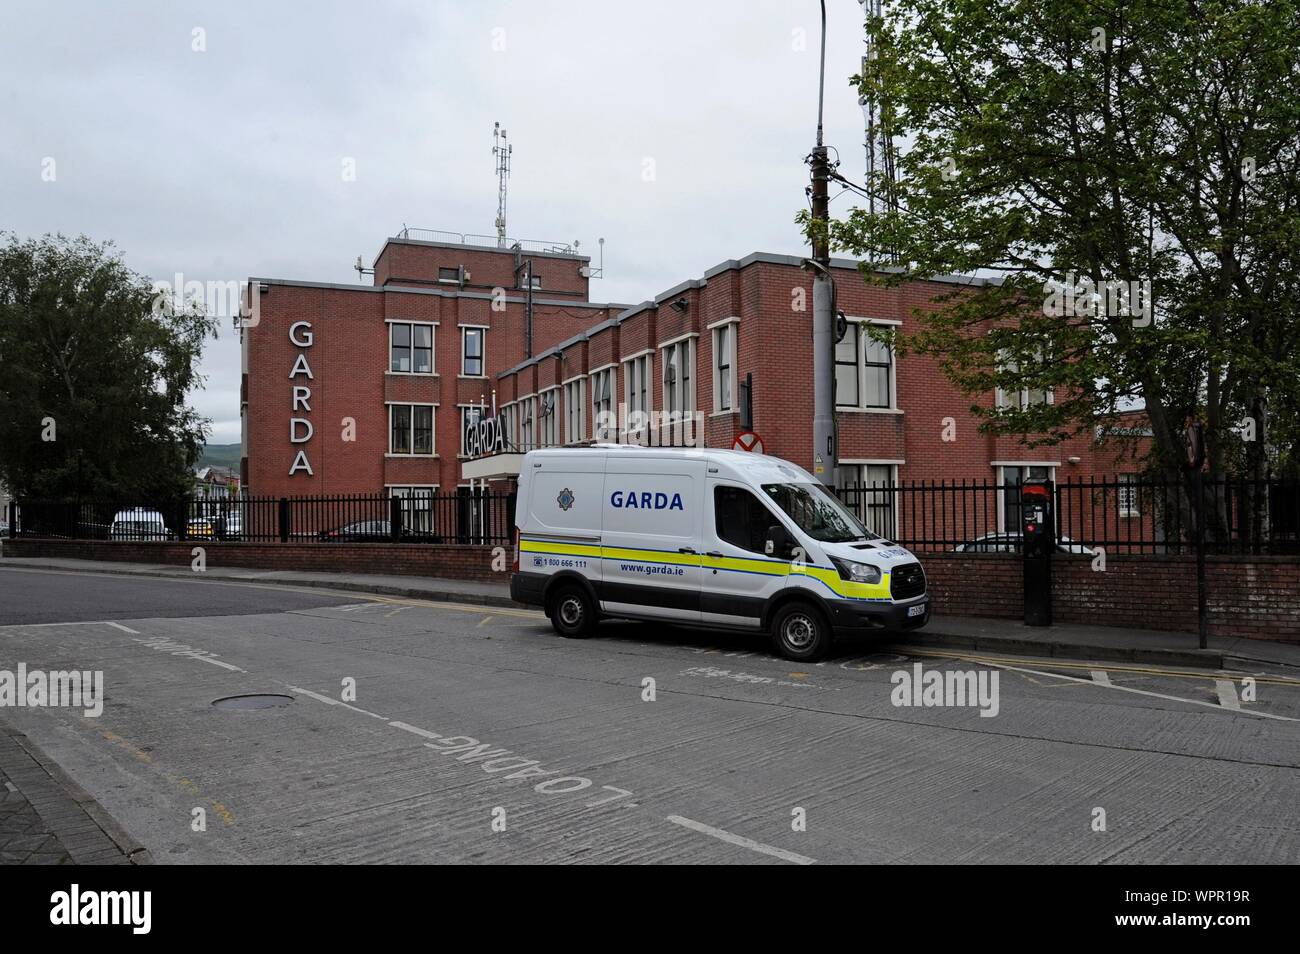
x,y
742,841
1227,694
1101,677
1156,695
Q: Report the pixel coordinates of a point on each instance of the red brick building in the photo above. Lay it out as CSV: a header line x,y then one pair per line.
x,y
350,388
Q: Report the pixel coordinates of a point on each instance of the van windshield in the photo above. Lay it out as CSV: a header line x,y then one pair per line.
x,y
817,513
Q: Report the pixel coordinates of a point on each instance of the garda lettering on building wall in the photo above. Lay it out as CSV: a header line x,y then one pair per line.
x,y
300,428
485,436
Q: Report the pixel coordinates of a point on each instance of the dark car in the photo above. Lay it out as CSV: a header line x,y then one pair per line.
x,y
374,531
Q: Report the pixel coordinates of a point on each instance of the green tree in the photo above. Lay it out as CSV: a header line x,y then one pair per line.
x,y
1110,140
96,369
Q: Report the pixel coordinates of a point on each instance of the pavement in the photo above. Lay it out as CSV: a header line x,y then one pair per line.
x,y
404,730
981,634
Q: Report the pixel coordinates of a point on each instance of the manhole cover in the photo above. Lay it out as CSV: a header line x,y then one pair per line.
x,y
254,701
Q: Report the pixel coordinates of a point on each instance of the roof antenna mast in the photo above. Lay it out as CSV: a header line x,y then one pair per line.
x,y
501,149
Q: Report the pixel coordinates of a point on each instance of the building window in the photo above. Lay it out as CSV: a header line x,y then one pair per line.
x,y
449,275
846,369
724,362
637,384
471,363
509,423
548,413
864,371
534,279
417,507
602,404
527,424
410,429
1009,481
410,348
1128,496
1024,397
870,490
573,413
470,415
679,378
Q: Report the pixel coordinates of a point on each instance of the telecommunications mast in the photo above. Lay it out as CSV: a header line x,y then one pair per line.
x,y
501,150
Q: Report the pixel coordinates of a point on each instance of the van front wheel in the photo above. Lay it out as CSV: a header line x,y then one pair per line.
x,y
572,613
800,632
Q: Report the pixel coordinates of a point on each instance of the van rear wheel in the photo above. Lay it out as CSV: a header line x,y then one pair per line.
x,y
572,612
800,632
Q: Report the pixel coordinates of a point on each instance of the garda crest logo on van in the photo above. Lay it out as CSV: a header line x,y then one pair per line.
x,y
631,500
565,500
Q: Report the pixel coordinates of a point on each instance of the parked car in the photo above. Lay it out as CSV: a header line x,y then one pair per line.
x,y
199,528
234,528
374,531
139,524
363,531
1011,543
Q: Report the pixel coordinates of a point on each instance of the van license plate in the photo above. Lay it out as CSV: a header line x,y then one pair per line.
x,y
918,610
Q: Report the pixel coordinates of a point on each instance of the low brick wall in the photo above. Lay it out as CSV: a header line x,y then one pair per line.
x,y
403,559
1256,597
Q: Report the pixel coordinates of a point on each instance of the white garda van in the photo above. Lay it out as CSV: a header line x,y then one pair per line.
x,y
717,538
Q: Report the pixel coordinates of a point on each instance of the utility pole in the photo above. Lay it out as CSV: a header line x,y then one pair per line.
x,y
824,449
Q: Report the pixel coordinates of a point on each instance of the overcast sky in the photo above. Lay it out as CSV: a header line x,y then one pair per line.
x,y
227,163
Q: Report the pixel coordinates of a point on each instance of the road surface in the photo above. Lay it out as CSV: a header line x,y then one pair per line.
x,y
424,732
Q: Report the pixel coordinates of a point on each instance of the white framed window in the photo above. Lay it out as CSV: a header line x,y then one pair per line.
x,y
871,489
510,424
410,347
548,417
417,506
574,408
527,423
1127,496
410,430
679,377
724,367
602,402
473,351
636,384
449,275
864,370
1024,397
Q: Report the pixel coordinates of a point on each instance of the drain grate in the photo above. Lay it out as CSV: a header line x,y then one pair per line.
x,y
253,702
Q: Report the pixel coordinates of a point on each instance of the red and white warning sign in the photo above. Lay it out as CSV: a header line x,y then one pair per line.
x,y
748,441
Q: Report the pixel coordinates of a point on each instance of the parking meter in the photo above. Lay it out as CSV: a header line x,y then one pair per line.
x,y
1038,533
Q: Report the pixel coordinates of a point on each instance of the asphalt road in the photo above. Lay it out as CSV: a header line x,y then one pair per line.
x,y
477,735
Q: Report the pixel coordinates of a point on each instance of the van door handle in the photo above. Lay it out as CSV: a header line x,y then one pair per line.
x,y
685,550
715,554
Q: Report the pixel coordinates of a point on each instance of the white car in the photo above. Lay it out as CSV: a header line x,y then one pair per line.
x,y
718,538
139,524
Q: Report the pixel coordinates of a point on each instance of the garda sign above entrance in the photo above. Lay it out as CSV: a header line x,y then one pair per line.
x,y
484,436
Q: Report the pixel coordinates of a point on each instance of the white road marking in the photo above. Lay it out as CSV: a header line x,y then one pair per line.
x,y
425,733
1144,692
742,841
333,702
10,786
125,629
218,662
1101,677
1227,694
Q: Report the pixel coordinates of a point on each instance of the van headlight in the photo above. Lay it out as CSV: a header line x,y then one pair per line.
x,y
857,572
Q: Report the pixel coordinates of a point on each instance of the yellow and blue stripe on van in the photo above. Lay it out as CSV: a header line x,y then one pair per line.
x,y
829,577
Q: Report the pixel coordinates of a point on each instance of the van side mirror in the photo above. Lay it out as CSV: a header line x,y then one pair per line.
x,y
779,542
